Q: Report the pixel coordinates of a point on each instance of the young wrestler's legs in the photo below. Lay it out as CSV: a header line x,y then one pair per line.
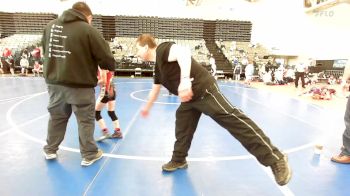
x,y
100,104
111,113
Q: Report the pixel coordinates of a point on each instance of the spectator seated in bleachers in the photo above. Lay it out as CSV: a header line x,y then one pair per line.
x,y
307,79
37,68
279,75
199,46
222,45
24,53
313,78
267,78
9,62
36,53
24,63
339,80
332,80
321,75
233,46
118,46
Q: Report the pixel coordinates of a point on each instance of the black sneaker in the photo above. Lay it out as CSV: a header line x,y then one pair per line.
x,y
281,171
172,166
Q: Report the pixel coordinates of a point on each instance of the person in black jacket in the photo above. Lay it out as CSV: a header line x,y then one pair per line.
x,y
73,50
199,93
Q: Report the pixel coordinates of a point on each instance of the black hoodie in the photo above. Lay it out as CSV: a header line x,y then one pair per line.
x,y
73,50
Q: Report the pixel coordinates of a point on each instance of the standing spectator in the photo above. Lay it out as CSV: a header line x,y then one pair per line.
x,y
70,71
244,61
237,71
300,70
199,93
235,60
344,156
249,72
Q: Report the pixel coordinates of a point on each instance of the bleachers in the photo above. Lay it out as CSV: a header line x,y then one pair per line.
x,y
17,42
230,51
124,52
228,30
335,73
23,23
191,32
7,24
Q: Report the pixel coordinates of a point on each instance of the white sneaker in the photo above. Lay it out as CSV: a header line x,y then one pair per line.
x,y
50,156
87,162
103,137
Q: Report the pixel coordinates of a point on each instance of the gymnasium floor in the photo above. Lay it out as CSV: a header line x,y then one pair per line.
x,y
218,164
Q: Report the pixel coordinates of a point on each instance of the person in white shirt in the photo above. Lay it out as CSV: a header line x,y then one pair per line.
x,y
24,65
300,70
249,71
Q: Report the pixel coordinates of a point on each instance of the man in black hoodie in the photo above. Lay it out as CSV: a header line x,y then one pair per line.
x,y
73,50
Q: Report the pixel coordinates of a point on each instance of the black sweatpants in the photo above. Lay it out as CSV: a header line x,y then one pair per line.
x,y
300,75
215,105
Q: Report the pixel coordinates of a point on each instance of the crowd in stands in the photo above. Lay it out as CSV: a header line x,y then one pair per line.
x,y
21,52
